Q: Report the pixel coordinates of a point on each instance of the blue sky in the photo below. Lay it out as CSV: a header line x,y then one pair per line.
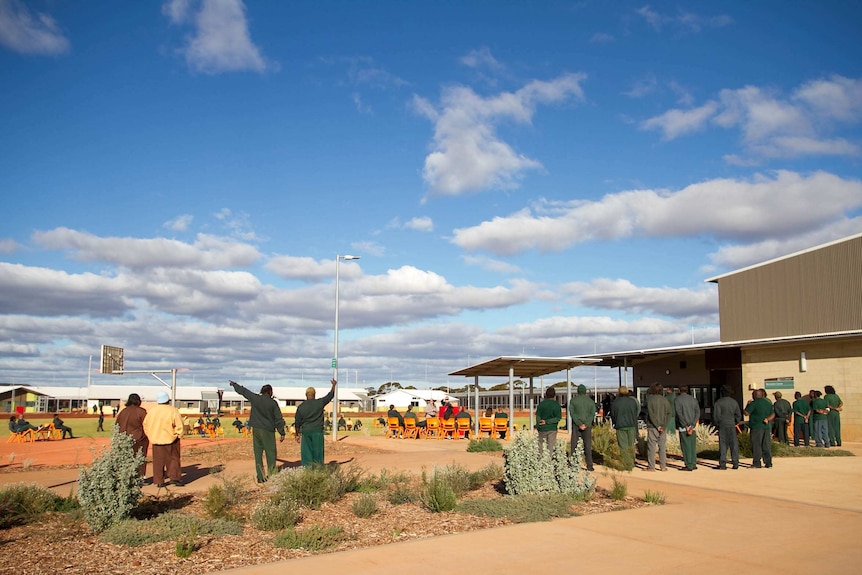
x,y
547,178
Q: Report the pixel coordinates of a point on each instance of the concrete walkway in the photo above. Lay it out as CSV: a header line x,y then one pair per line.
x,y
802,516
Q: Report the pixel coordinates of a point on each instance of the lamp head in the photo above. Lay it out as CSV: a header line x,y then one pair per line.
x,y
348,257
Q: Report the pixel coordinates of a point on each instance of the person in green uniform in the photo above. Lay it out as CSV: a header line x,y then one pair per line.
x,y
624,416
833,418
309,425
582,409
725,415
760,416
658,416
548,416
801,414
687,416
783,409
821,425
265,419
671,396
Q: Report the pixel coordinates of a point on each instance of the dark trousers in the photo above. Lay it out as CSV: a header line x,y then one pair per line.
x,y
166,457
65,429
311,447
141,446
688,446
780,426
727,440
585,435
761,447
833,424
800,431
263,442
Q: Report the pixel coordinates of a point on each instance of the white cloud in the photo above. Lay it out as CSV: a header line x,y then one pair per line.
x,y
687,22
601,38
420,224
738,209
491,264
8,246
621,294
207,252
28,33
772,126
481,58
368,248
221,41
179,223
468,155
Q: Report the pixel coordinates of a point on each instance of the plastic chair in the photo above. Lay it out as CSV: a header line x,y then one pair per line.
x,y
432,427
463,426
410,429
394,426
486,425
447,428
501,425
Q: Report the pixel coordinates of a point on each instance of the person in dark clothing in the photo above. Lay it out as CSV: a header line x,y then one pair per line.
x,y
582,409
725,415
131,422
760,416
59,425
658,416
833,418
464,414
687,417
624,416
265,419
548,416
237,424
309,425
783,410
100,424
801,415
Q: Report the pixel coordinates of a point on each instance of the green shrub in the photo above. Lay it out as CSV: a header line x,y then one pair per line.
x,y
606,448
308,486
111,487
437,495
457,477
654,497
744,440
272,515
527,471
312,538
365,506
620,490
521,508
491,472
220,499
23,502
484,444
185,546
171,525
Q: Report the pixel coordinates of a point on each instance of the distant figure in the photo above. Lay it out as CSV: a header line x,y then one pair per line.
x,y
783,410
658,416
687,417
760,415
309,425
821,425
58,424
394,413
624,416
725,416
114,410
100,424
430,409
548,416
501,414
131,422
342,424
583,411
237,424
801,414
17,424
833,418
465,414
357,425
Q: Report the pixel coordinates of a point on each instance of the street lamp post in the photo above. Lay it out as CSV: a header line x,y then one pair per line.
x,y
335,348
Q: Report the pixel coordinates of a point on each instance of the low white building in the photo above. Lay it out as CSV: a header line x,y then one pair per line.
x,y
402,398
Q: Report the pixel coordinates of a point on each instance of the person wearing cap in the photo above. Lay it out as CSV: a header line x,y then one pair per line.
x,y
783,409
163,425
131,422
309,425
687,417
265,419
583,411
658,417
624,415
760,416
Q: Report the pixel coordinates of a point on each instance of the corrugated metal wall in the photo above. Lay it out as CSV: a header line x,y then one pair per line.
x,y
813,292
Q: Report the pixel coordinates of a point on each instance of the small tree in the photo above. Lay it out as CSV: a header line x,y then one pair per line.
x,y
111,487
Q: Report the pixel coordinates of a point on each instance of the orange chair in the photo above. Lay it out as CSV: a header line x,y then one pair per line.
x,y
410,429
394,426
27,436
463,426
432,427
486,425
45,432
447,428
501,425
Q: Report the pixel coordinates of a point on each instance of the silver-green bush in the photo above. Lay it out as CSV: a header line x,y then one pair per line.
x,y
275,515
170,525
111,487
526,470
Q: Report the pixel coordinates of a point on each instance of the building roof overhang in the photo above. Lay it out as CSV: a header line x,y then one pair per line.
x,y
523,366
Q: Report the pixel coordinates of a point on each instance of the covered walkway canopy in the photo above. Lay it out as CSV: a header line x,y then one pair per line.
x,y
522,367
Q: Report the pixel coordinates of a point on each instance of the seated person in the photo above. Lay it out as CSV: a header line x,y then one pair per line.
x,y
58,425
464,414
237,424
394,413
410,414
201,426
13,424
216,422
341,423
381,421
357,425
22,425
501,414
247,425
349,424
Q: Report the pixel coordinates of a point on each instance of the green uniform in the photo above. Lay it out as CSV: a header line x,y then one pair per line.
x,y
821,424
783,409
624,415
265,419
582,410
550,411
759,411
801,414
309,423
687,416
833,418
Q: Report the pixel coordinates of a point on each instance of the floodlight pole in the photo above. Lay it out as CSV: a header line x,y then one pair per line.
x,y
338,259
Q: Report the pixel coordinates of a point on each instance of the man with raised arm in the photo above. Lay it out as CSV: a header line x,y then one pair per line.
x,y
309,425
265,419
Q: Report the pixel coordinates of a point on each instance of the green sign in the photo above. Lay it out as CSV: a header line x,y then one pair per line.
x,y
778,383
334,363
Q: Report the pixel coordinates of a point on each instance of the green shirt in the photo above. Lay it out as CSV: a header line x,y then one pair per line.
x,y
757,411
819,403
624,412
265,413
801,408
551,412
832,400
782,408
582,409
309,414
